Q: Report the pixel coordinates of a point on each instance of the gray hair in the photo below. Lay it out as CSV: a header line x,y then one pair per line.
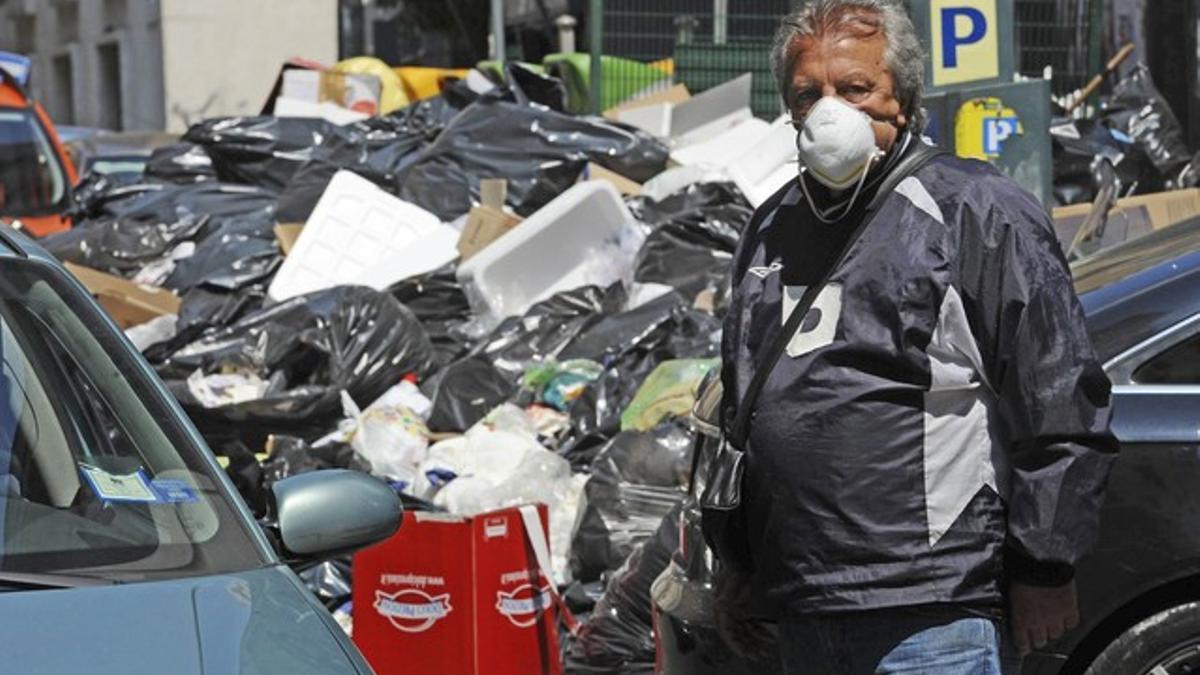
x,y
904,55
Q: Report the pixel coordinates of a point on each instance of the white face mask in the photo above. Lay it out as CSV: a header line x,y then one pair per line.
x,y
836,143
836,146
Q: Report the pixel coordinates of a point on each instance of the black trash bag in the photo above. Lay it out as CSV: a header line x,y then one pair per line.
x,y
291,456
180,163
238,253
1079,146
694,204
547,327
131,227
245,473
330,580
539,151
631,345
529,87
1137,108
637,478
692,250
618,638
200,310
379,149
309,348
261,151
438,301
464,392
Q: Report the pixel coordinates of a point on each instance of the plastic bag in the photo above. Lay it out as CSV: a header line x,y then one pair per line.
x,y
389,436
378,149
126,229
464,392
636,479
438,301
497,464
669,391
262,151
539,151
548,326
180,163
631,345
559,384
618,638
1138,109
309,349
391,88
238,252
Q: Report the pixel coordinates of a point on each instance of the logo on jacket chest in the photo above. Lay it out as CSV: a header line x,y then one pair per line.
x,y
820,324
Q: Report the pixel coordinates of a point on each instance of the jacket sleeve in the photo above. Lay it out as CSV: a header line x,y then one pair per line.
x,y
1053,396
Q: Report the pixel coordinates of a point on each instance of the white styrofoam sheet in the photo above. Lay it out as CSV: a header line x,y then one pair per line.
x,y
721,150
360,235
585,236
767,165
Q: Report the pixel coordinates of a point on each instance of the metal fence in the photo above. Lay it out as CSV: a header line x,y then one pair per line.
x,y
697,43
701,43
1063,34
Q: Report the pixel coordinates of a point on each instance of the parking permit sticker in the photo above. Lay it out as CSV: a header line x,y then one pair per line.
x,y
173,491
133,487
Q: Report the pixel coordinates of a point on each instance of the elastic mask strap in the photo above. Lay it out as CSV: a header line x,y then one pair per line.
x,y
849,205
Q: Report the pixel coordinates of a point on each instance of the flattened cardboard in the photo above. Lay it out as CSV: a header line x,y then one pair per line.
x,y
287,234
624,185
488,221
128,303
1132,216
484,225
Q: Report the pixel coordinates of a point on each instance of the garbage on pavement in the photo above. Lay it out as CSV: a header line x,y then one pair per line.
x,y
491,302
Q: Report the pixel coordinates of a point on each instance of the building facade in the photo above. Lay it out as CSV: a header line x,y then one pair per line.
x,y
161,64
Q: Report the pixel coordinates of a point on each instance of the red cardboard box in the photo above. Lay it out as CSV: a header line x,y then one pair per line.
x,y
450,595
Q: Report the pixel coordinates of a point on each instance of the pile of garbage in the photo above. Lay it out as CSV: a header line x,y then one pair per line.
x,y
481,298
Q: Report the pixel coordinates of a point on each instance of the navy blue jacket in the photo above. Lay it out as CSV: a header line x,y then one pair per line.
x,y
939,422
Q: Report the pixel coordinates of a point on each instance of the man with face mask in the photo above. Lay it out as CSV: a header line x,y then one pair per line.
x,y
926,460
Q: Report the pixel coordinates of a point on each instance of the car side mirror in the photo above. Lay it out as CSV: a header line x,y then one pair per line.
x,y
323,513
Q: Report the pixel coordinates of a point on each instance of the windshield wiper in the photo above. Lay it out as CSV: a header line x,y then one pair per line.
x,y
45,580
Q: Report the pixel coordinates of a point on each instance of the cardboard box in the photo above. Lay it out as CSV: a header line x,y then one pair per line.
x,y
287,234
353,91
451,595
1131,217
128,303
489,221
624,185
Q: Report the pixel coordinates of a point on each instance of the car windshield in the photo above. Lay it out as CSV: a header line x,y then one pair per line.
x,y
98,476
31,177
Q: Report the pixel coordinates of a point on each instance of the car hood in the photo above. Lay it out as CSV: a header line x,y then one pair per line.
x,y
262,621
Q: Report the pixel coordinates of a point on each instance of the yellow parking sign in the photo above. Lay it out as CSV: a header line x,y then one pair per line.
x,y
964,40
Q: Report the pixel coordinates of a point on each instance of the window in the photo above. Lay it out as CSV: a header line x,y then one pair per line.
x,y
97,477
32,180
1178,365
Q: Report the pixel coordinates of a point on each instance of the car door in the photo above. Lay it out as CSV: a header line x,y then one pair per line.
x,y
1150,521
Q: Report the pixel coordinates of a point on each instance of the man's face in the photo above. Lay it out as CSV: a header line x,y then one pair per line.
x,y
848,64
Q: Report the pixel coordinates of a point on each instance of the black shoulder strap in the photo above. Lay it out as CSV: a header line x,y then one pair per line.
x,y
914,160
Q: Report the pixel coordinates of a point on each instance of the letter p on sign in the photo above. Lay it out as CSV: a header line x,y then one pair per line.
x,y
964,41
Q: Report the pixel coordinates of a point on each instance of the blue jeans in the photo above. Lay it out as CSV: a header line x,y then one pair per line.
x,y
910,640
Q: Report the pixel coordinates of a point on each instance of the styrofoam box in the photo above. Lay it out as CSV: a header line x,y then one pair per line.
x,y
360,235
767,165
562,246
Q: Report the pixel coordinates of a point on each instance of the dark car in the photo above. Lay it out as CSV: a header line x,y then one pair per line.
x,y
123,546
1140,588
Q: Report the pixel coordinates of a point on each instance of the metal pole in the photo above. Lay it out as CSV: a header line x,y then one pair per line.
x,y
720,22
566,33
498,50
595,43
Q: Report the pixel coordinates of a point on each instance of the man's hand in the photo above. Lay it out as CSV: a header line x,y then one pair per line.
x,y
1041,614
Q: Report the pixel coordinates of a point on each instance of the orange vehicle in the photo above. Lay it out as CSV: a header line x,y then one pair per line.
x,y
36,173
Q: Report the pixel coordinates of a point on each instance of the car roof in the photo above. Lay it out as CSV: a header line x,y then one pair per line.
x,y
1134,290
